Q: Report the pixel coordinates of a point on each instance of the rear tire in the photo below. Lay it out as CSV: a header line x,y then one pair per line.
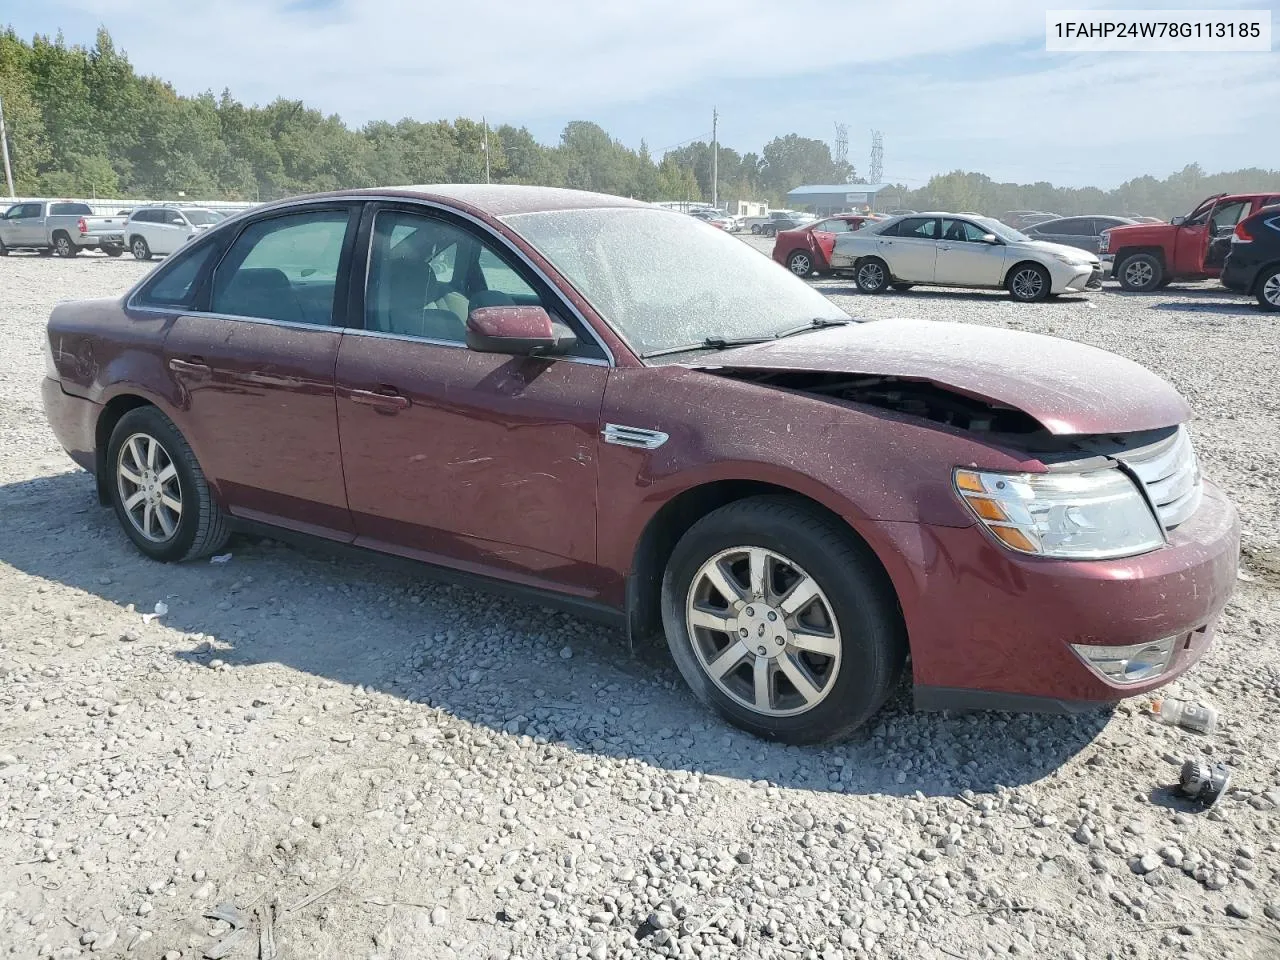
x,y
63,246
151,467
1140,273
141,251
800,263
755,228
872,275
844,645
1267,290
1029,283
113,251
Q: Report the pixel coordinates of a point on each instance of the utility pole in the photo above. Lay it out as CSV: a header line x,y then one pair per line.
x,y
4,146
715,159
486,148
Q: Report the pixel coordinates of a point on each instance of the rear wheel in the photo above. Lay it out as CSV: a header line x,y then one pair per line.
x,y
1140,273
140,249
63,246
1268,290
159,492
800,263
1029,282
113,250
755,228
872,275
782,621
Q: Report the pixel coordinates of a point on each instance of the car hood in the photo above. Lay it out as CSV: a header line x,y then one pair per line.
x,y
1068,387
1045,246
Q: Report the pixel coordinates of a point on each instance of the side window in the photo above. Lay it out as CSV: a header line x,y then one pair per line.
x,y
891,230
501,278
962,231
1227,216
1269,202
142,216
284,268
176,282
919,228
175,217
833,226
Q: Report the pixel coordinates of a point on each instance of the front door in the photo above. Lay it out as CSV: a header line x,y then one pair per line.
x,y
912,249
822,240
482,462
29,226
257,367
965,259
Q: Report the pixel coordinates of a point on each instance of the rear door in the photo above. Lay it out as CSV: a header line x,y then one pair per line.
x,y
822,240
483,462
255,359
964,259
912,249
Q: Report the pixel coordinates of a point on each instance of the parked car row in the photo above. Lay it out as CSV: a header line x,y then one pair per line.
x,y
64,228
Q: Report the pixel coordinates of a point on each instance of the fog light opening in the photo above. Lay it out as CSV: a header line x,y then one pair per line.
x,y
1129,664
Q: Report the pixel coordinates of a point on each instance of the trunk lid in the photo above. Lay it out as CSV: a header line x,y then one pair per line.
x,y
1068,387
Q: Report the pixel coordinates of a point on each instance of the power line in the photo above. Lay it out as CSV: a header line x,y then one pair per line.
x,y
685,143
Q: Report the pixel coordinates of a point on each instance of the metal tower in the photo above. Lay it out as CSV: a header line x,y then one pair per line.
x,y
842,143
877,157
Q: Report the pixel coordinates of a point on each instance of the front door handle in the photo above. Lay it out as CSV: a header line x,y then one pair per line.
x,y
195,366
383,402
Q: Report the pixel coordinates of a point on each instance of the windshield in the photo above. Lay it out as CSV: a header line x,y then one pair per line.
x,y
663,280
202,218
1003,230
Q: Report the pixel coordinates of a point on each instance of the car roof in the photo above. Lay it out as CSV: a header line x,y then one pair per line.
x,y
497,200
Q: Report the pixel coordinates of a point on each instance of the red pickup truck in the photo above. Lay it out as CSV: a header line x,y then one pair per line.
x,y
1146,256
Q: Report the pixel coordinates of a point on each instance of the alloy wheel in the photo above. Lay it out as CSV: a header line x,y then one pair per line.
x,y
871,276
64,246
149,487
801,265
1027,284
1138,274
1271,290
764,631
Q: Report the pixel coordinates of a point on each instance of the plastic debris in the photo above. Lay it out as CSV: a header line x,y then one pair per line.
x,y
1203,781
161,609
221,558
1190,715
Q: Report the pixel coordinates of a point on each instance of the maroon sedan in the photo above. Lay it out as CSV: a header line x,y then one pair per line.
x,y
807,250
598,401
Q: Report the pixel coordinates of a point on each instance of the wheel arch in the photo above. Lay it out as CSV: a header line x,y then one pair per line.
x,y
1157,252
112,412
1024,262
1263,272
674,518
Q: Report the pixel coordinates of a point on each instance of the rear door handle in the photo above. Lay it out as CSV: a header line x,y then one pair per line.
x,y
382,401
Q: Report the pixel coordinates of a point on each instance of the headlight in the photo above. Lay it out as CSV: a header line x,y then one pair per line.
x,y
1070,260
1079,516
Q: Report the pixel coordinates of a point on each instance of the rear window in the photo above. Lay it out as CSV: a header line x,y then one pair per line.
x,y
177,282
70,210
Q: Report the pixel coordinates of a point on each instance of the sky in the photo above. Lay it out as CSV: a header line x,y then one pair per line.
x,y
951,84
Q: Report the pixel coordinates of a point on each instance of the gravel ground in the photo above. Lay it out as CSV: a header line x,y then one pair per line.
x,y
342,761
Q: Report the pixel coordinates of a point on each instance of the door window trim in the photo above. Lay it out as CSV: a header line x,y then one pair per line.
x,y
500,244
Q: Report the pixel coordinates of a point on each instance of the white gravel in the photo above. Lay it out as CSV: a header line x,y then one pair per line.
x,y
372,765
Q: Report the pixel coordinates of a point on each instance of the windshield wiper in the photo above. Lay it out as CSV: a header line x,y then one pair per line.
x,y
724,343
817,323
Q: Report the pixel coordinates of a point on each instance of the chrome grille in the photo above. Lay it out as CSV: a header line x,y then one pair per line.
x,y
1171,475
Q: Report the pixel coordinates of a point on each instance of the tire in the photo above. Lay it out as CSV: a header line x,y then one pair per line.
x,y
113,251
141,251
853,615
800,263
46,251
63,247
1028,283
872,275
198,527
1140,273
1267,290
4,251
902,287
755,228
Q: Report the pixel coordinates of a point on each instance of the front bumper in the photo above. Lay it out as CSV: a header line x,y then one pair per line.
x,y
988,625
1070,279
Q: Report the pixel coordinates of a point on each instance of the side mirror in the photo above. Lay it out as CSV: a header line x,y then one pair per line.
x,y
519,331
990,238
1178,221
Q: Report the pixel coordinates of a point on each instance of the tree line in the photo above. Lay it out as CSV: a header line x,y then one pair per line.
x,y
82,122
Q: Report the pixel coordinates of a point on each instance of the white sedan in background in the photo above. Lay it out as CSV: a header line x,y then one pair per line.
x,y
162,230
952,250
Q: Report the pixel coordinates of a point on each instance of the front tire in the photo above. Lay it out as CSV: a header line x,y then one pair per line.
x,y
824,643
755,228
1268,290
141,251
1140,273
158,490
1029,283
113,251
872,275
800,263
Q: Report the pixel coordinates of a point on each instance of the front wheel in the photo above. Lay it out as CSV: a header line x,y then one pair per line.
x,y
159,492
1269,290
872,276
800,263
140,249
755,228
782,621
1140,273
1029,283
